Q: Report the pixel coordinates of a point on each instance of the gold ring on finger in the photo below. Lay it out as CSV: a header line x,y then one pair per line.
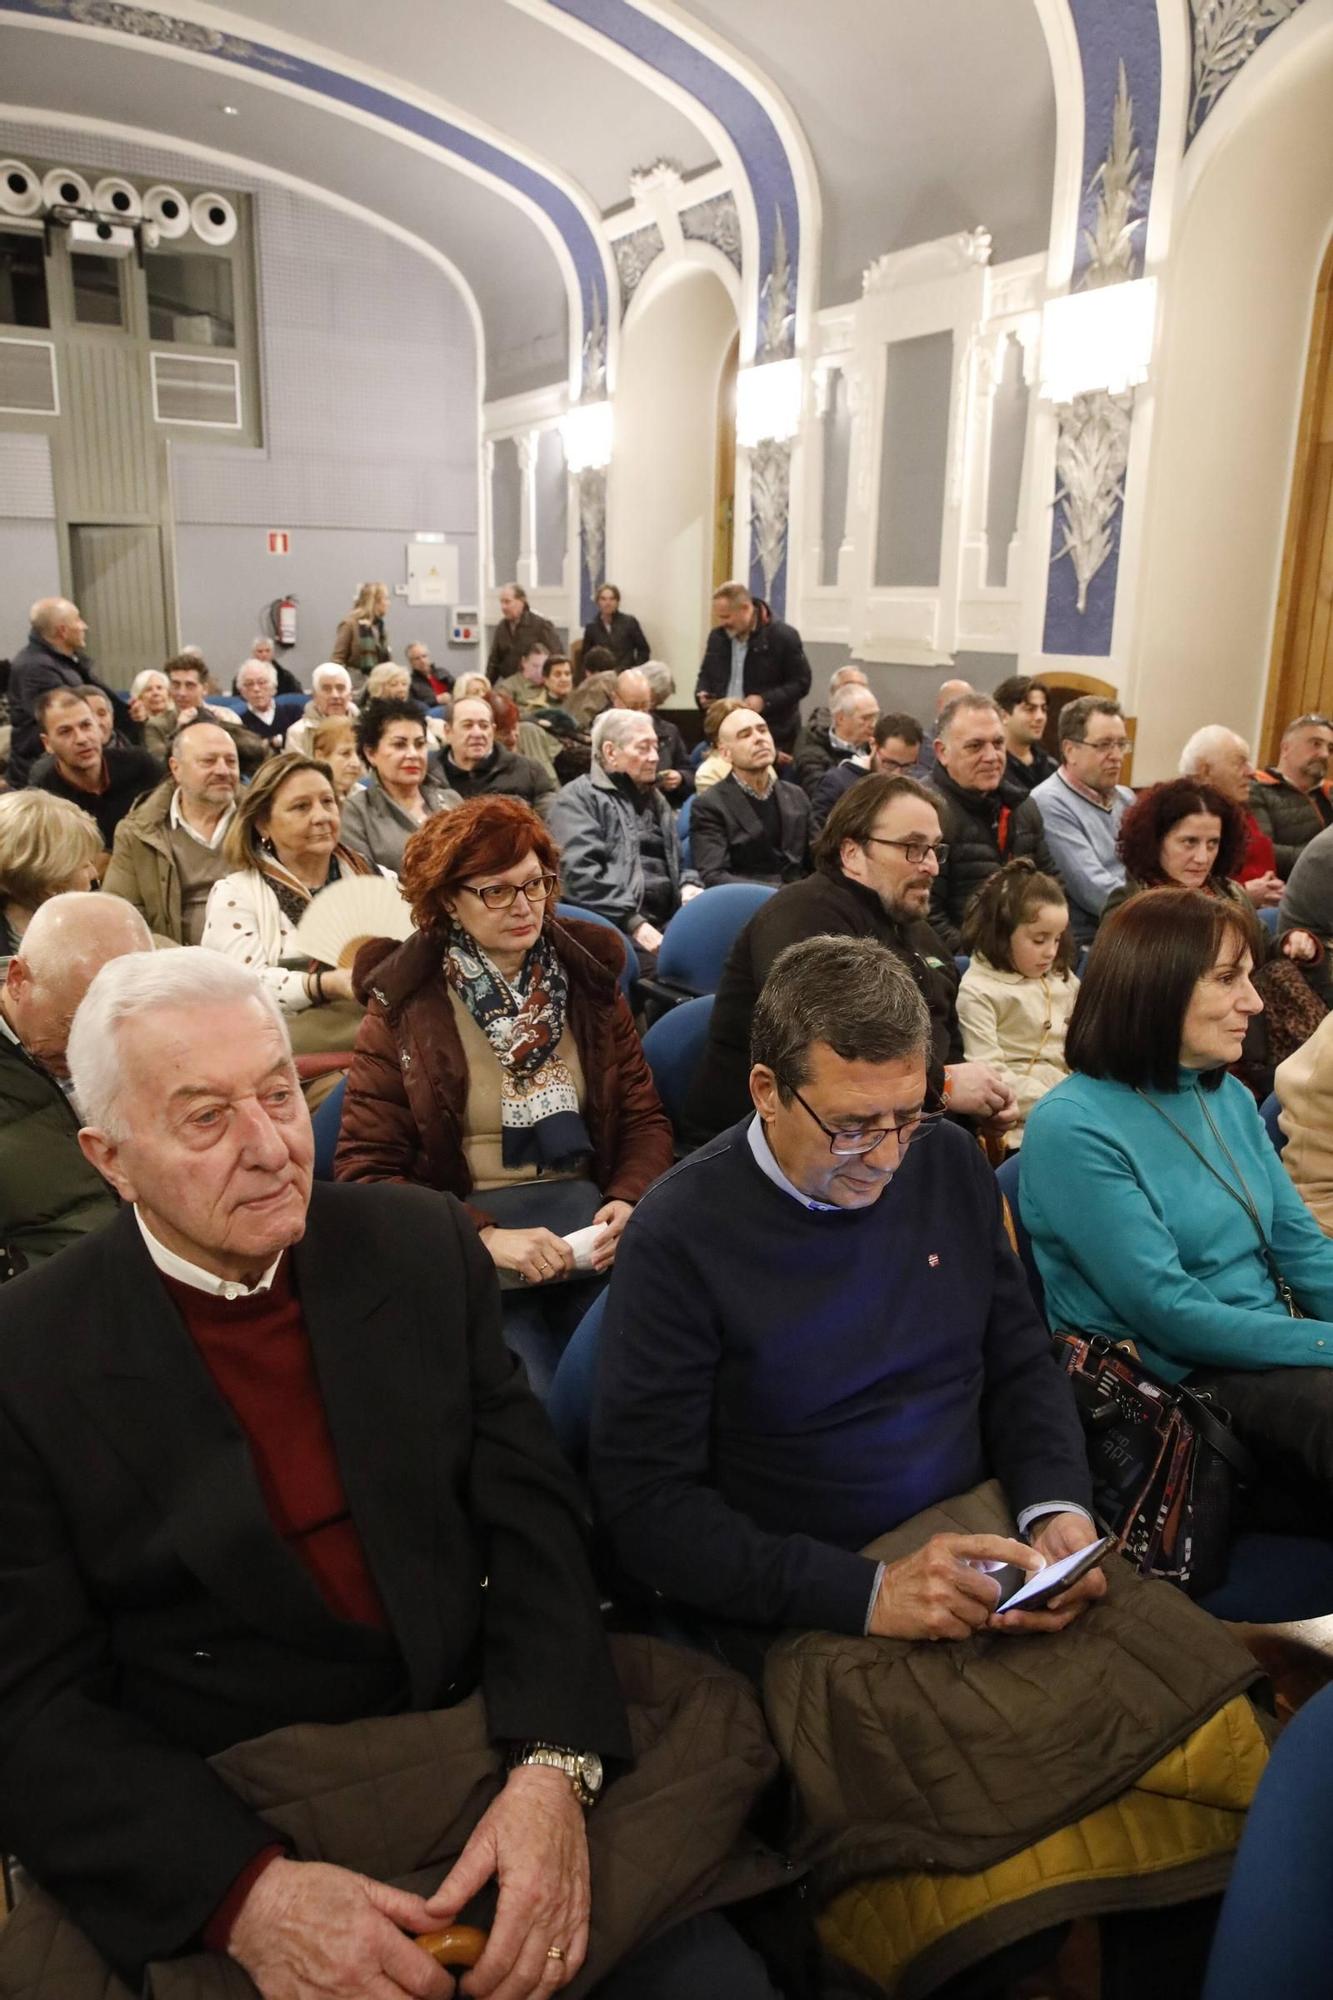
x,y
555,1951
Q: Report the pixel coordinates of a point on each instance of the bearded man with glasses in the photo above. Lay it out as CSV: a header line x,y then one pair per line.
x,y
876,860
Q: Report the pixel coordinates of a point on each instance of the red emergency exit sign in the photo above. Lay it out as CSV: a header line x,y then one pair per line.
x,y
279,542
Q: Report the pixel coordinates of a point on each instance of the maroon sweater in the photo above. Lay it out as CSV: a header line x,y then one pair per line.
x,y
258,1353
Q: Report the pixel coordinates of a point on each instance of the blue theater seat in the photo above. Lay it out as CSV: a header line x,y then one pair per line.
x,y
673,1046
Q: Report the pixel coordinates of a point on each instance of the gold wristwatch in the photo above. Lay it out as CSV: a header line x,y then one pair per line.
x,y
583,1768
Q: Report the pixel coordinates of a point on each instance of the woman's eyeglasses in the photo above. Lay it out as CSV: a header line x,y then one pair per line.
x,y
500,895
850,1144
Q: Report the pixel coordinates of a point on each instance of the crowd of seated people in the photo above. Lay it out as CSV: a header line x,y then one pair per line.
x,y
824,1403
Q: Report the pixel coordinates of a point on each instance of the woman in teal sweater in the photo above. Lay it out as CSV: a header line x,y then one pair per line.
x,y
1158,1209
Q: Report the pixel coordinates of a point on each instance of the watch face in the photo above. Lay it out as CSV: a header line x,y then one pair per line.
x,y
590,1770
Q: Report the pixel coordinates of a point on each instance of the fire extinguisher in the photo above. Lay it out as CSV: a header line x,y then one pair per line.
x,y
282,620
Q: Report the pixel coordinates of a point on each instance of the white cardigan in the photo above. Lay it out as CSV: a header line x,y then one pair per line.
x,y
1018,1025
246,921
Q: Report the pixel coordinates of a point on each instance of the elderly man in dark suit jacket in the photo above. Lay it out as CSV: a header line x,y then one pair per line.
x,y
287,1474
750,827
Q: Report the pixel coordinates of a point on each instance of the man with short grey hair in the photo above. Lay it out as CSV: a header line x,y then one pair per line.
x,y
50,1195
1216,756
1290,798
1082,805
755,658
280,1471
54,656
986,821
832,735
619,849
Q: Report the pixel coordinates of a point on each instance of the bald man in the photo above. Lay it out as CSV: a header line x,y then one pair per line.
x,y
49,1195
53,657
947,691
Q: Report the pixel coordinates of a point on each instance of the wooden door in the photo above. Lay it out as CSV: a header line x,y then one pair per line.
x,y
724,519
1301,674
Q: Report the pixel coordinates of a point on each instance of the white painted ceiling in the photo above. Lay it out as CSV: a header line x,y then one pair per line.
x,y
922,116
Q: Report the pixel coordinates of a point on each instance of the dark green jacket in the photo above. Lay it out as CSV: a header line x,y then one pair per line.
x,y
49,1195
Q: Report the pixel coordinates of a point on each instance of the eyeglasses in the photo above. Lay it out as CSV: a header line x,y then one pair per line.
x,y
915,850
1120,743
500,895
852,1144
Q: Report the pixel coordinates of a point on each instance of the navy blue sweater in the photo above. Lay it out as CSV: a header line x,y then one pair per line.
x,y
780,1386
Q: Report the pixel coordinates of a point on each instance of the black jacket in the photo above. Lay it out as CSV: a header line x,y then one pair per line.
x,y
503,771
33,669
814,753
1026,777
510,642
1289,817
775,667
673,755
729,842
152,1615
984,830
625,640
826,904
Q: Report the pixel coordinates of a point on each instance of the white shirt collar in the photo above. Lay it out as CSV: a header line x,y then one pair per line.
x,y
766,1161
179,822
185,1273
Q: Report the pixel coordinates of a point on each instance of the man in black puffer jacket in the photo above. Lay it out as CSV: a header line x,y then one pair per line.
x,y
985,819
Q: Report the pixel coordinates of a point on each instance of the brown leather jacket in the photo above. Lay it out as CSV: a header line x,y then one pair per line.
x,y
407,1088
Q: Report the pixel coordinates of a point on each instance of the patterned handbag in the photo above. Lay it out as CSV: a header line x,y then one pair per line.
x,y
1165,1462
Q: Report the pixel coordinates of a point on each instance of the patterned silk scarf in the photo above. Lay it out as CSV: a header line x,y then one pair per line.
x,y
540,1121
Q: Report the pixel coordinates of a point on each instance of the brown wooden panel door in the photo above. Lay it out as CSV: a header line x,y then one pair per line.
x,y
1301,674
119,587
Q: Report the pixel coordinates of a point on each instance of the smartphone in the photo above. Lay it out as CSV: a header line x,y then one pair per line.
x,y
1020,1591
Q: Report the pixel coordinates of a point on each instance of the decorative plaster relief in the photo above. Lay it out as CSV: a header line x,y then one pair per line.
x,y
155,27
717,222
1225,34
634,253
1091,455
1116,188
661,174
770,490
591,483
594,353
777,319
944,257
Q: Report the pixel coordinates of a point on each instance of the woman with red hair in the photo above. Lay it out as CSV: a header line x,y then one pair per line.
x,y
498,1061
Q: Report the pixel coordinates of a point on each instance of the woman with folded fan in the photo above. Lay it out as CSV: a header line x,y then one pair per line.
x,y
499,1061
283,847
1158,1209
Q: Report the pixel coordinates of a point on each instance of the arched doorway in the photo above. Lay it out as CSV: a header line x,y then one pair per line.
x,y
664,482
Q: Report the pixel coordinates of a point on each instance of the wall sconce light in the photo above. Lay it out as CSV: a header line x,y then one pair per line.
x,y
768,402
1097,340
586,432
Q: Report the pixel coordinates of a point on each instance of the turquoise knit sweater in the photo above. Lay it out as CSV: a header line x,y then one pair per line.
x,y
1134,1239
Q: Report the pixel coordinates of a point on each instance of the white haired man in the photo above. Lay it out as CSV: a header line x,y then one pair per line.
x,y
257,685
831,736
289,1475
646,688
331,696
50,1195
1216,756
619,849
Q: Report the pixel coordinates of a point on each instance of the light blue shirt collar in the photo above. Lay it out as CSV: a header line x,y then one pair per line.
x,y
766,1161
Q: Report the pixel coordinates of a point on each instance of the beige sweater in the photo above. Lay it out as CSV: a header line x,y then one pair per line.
x,y
1018,1025
1304,1084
